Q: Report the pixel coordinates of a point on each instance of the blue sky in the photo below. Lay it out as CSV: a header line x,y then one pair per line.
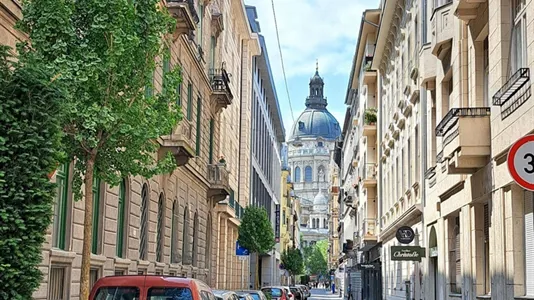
x,y
310,30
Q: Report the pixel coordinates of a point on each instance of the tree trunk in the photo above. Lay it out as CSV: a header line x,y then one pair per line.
x,y
257,281
87,230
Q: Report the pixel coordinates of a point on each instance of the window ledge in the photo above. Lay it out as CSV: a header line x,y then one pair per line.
x,y
61,256
143,263
122,262
98,260
524,297
455,295
484,297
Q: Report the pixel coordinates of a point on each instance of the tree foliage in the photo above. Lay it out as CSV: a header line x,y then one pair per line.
x,y
315,258
293,261
29,150
104,53
256,232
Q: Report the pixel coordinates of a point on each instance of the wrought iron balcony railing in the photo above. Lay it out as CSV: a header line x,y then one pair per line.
x,y
220,80
512,86
452,116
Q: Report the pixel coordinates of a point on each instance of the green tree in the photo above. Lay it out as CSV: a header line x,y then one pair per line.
x,y
293,261
104,54
29,150
315,258
256,234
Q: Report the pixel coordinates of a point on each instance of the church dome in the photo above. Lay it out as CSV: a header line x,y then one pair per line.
x,y
320,199
316,121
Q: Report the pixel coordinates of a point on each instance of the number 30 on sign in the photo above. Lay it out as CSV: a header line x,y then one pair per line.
x,y
521,162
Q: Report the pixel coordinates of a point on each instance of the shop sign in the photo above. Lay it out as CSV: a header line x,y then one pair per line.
x,y
407,253
405,235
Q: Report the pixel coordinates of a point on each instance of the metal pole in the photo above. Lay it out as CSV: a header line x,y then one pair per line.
x,y
407,283
243,274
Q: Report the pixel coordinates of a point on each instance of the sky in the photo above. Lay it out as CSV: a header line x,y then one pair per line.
x,y
311,30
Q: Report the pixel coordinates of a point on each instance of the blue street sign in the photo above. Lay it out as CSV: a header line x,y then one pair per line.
x,y
240,251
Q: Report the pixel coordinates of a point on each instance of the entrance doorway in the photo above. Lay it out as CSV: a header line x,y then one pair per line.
x,y
433,263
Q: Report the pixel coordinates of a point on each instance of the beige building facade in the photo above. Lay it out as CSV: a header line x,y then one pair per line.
x,y
183,223
453,94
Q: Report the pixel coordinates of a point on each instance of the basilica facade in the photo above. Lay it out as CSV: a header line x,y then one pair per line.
x,y
311,141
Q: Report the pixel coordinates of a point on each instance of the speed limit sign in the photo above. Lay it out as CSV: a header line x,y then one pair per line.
x,y
521,162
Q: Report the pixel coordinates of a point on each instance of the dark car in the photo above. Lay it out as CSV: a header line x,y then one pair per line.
x,y
297,292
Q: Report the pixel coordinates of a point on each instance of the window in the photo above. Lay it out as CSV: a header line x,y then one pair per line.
x,y
487,224
179,92
189,113
455,274
96,216
196,229
120,272
93,277
207,252
308,174
174,233
519,41
297,174
185,238
417,158
56,283
424,23
199,125
121,219
200,23
117,293
59,231
410,168
169,293
166,65
160,237
212,52
212,132
143,245
320,144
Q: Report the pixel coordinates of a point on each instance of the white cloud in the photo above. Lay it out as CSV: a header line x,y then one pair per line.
x,y
310,30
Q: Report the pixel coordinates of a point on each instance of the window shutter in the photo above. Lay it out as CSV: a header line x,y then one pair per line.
x,y
529,244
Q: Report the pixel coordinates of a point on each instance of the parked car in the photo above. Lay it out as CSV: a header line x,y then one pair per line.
x,y
290,294
225,295
275,292
297,292
150,287
256,295
306,290
244,296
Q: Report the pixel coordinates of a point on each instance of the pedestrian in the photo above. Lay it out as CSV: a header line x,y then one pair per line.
x,y
349,292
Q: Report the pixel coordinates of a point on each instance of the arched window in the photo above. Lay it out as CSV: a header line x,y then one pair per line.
x,y
313,223
160,238
297,174
321,175
122,217
195,240
207,252
317,222
174,233
143,246
185,238
324,223
308,174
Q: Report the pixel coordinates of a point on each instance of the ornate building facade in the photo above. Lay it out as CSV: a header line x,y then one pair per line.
x,y
183,223
312,138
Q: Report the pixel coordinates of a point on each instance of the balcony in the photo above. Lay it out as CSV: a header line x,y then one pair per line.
x,y
370,234
369,179
219,183
467,9
221,96
179,143
369,126
427,65
442,28
368,76
185,14
514,93
466,139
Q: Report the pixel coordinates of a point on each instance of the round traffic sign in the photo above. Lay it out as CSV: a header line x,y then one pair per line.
x,y
521,162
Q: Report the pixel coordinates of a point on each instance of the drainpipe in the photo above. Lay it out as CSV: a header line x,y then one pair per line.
x,y
239,143
424,165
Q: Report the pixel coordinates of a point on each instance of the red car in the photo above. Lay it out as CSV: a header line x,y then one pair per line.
x,y
150,287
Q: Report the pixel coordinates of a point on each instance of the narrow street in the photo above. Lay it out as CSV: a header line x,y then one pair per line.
x,y
317,294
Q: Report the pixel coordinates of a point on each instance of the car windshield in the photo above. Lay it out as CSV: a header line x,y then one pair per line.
x,y
170,294
255,296
117,293
273,292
